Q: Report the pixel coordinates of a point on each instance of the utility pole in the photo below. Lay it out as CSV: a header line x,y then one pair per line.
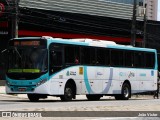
x,y
145,23
133,29
14,18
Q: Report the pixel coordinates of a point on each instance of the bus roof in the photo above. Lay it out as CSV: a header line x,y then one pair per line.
x,y
89,42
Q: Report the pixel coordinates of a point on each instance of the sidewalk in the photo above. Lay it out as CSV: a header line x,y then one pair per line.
x,y
3,93
2,90
81,97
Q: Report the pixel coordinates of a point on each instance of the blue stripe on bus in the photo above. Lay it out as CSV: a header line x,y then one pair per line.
x,y
131,48
105,91
88,87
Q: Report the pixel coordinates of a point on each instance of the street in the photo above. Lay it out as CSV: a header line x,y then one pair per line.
x,y
96,108
21,103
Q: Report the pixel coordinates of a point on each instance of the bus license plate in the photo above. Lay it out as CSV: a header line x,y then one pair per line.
x,y
21,89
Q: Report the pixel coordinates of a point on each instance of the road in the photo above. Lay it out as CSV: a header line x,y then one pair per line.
x,y
145,106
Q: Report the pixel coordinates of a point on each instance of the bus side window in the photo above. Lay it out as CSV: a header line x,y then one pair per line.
x,y
139,60
55,61
107,56
93,56
150,60
117,58
85,53
100,56
69,55
129,56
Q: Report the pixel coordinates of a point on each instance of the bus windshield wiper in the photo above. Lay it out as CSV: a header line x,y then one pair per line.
x,y
18,52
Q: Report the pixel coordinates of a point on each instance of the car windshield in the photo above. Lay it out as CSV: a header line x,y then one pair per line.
x,y
30,60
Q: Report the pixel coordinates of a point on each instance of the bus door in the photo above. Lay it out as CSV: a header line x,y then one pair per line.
x,y
56,58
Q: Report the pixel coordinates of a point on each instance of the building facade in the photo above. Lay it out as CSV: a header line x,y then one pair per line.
x,y
122,9
152,9
96,19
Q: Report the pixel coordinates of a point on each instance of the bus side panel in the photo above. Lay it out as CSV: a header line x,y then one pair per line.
x,y
102,80
93,77
43,89
111,83
148,80
98,80
122,74
59,80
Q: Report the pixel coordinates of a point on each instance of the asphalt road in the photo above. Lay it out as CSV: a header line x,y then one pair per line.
x,y
81,108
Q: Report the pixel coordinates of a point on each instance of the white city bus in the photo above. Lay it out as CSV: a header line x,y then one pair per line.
x,y
46,66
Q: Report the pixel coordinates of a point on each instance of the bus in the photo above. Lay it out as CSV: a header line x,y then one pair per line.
x,y
46,66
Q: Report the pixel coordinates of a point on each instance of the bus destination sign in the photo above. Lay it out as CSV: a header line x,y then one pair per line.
x,y
26,43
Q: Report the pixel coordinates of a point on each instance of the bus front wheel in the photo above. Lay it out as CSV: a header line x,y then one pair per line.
x,y
33,97
68,93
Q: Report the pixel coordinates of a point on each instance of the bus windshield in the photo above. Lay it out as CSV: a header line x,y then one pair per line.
x,y
28,60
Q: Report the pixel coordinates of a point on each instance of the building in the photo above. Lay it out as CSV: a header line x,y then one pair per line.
x,y
152,9
106,8
96,19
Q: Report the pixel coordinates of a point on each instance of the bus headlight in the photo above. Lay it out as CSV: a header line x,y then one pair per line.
x,y
7,83
41,82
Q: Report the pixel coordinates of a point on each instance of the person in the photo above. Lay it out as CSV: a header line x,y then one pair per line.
x,y
156,93
76,60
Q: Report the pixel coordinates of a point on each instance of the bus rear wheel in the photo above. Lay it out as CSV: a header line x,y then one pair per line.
x,y
68,93
33,97
93,97
125,92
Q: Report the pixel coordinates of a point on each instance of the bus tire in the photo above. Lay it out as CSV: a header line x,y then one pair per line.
x,y
93,97
126,91
68,93
33,97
